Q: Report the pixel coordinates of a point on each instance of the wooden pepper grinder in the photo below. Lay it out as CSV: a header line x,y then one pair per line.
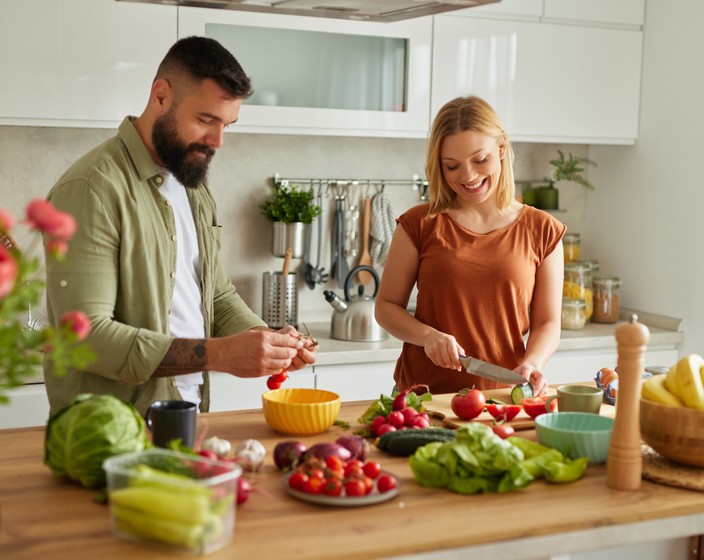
x,y
625,462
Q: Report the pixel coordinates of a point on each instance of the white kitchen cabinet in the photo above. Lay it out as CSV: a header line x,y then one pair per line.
x,y
80,63
571,366
547,82
356,382
532,9
276,57
28,406
228,392
602,12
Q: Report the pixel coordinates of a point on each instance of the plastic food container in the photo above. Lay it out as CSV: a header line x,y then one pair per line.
x,y
178,501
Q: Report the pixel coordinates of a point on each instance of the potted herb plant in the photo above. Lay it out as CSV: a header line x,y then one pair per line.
x,y
291,210
565,169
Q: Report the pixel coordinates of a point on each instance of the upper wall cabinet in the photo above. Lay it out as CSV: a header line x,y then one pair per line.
x,y
83,63
325,76
547,82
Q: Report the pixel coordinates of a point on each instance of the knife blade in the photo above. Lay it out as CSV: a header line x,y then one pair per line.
x,y
491,371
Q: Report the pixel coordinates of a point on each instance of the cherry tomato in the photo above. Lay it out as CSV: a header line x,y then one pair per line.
x,y
503,430
354,467
355,487
280,377
535,406
334,463
385,483
333,486
297,480
467,404
372,469
503,411
368,484
316,473
314,485
272,383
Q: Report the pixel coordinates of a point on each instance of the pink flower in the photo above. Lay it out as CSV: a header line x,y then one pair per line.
x,y
57,248
7,220
77,322
8,271
43,216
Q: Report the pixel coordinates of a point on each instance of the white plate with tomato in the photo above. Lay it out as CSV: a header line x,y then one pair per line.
x,y
347,494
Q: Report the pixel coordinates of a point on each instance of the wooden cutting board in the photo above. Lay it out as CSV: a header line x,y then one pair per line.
x,y
441,409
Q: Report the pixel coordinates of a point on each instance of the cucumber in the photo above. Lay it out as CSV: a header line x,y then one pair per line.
x,y
520,392
405,446
494,400
384,441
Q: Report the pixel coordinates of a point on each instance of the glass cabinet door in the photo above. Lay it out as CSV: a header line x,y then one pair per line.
x,y
320,76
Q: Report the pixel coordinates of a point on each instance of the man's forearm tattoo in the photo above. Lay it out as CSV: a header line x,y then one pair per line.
x,y
184,356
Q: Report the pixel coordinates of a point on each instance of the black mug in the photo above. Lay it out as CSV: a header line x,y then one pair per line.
x,y
169,420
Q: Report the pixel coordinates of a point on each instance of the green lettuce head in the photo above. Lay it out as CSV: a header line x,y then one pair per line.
x,y
89,430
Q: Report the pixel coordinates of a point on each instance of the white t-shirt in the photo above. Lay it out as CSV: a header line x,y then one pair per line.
x,y
186,319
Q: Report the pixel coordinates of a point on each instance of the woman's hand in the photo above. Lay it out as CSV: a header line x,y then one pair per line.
x,y
537,380
442,349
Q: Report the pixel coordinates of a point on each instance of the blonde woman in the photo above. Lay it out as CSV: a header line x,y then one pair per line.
x,y
488,269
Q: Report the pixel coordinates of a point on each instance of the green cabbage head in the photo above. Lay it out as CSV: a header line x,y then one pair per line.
x,y
89,430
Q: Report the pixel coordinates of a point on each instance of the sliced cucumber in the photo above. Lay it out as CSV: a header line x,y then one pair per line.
x,y
494,400
520,392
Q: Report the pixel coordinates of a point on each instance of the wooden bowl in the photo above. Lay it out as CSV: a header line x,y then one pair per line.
x,y
675,433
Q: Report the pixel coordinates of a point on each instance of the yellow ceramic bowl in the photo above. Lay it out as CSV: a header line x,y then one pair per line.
x,y
675,433
300,412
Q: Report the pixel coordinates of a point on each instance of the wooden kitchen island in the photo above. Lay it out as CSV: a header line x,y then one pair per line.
x,y
45,518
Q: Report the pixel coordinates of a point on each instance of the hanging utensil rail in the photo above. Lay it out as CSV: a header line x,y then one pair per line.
x,y
416,182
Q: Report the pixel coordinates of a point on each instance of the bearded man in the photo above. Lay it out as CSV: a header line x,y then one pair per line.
x,y
145,265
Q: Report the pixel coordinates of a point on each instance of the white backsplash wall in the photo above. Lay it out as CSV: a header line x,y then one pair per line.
x,y
33,158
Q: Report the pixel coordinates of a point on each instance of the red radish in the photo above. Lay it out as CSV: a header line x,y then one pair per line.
x,y
396,419
243,490
385,428
421,422
409,416
377,423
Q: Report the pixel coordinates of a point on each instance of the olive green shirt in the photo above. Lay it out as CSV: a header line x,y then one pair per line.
x,y
120,271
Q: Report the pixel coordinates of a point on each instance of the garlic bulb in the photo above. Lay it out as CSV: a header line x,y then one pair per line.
x,y
250,454
221,447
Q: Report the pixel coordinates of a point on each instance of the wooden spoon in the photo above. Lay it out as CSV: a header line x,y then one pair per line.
x,y
365,259
287,262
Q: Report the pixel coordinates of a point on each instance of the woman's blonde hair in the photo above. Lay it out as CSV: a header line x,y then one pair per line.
x,y
459,115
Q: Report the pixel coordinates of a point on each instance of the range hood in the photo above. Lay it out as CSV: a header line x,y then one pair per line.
x,y
363,10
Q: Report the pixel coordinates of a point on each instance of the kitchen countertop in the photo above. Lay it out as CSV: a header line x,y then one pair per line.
x,y
44,517
663,331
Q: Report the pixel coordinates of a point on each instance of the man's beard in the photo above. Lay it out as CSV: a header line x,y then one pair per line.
x,y
190,170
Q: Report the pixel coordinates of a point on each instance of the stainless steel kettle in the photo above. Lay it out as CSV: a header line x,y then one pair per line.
x,y
353,318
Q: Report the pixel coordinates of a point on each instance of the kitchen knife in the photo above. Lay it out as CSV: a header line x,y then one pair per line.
x,y
491,371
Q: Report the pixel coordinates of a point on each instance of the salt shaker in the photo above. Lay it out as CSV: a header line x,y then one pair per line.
x,y
624,466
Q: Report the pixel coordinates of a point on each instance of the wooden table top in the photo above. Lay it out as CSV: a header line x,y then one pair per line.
x,y
43,517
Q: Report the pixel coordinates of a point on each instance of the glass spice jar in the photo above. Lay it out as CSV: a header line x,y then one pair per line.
x,y
572,246
607,299
578,285
574,314
592,263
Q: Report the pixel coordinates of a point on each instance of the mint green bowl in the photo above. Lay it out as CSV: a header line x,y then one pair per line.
x,y
576,434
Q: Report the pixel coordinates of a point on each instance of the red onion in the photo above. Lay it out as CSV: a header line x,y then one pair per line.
x,y
287,453
356,445
325,450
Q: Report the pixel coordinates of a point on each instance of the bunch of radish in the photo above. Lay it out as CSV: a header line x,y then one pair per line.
x,y
401,417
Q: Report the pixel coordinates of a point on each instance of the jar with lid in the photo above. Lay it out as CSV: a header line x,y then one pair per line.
x,y
592,263
578,285
607,299
572,246
574,314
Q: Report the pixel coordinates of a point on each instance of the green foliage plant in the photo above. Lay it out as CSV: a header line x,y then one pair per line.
x,y
289,204
570,169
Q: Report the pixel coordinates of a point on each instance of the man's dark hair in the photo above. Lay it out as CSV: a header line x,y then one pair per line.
x,y
198,58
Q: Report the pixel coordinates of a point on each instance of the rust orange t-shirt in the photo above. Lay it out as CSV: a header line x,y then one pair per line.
x,y
476,287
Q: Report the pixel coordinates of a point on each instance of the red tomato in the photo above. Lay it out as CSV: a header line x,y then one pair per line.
x,y
503,430
355,487
371,469
333,486
503,411
314,485
535,406
280,377
297,480
272,384
385,483
354,467
467,404
334,463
